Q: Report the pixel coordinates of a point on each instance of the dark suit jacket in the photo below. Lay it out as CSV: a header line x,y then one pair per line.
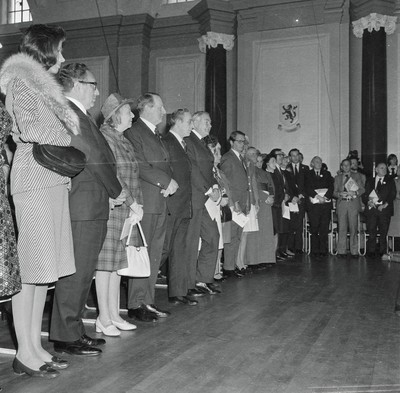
x,y
202,162
314,182
180,203
154,166
300,178
387,194
88,199
237,178
282,187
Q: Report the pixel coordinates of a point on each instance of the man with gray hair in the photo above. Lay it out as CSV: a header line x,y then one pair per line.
x,y
157,184
89,208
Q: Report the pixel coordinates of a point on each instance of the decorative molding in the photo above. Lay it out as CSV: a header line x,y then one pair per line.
x,y
212,40
374,21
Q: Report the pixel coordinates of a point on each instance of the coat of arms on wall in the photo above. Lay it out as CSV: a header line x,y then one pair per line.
x,y
289,116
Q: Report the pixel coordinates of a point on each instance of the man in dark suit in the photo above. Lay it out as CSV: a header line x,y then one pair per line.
x,y
235,168
201,264
179,208
319,206
157,184
299,171
282,195
379,210
89,209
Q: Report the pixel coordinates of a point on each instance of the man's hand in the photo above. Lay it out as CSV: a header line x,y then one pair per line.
x,y
320,198
295,199
287,197
171,189
371,203
381,207
224,201
270,200
120,199
215,195
237,208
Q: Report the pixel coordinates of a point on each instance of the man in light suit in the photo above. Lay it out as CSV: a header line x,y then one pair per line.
x,y
348,207
179,208
378,212
89,209
157,184
234,166
201,264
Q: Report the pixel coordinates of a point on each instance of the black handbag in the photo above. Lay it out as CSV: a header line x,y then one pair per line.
x,y
64,160
226,214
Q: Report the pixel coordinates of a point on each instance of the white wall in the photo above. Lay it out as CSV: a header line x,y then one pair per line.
x,y
302,65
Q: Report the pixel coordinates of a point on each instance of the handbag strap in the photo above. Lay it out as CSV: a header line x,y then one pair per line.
x,y
141,234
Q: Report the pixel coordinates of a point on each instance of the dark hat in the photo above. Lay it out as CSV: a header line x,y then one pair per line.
x,y
112,104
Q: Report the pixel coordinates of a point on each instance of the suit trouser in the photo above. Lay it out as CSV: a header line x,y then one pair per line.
x,y
231,249
201,264
71,292
142,290
319,216
295,242
347,212
377,221
175,250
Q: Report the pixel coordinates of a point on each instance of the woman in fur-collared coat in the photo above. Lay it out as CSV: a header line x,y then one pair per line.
x,y
40,114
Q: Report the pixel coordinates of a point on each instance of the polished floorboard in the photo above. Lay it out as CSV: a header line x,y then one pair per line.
x,y
302,326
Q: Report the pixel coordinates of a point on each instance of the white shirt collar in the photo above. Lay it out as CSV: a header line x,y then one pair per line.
x,y
150,125
78,104
178,137
197,134
237,154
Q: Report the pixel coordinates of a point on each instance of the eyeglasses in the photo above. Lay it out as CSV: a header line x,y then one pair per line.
x,y
89,83
239,141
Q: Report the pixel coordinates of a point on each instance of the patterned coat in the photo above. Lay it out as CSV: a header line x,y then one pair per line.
x,y
41,114
113,256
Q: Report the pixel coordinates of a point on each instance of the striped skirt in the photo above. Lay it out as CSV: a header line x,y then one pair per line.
x,y
45,246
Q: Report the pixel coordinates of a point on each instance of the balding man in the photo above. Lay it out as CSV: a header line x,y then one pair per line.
x,y
319,206
378,209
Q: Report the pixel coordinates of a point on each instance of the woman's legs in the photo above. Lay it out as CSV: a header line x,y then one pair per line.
x,y
113,297
36,324
102,291
28,313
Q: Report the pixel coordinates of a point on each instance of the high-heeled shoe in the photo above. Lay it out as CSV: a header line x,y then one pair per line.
x,y
58,363
110,330
124,325
44,371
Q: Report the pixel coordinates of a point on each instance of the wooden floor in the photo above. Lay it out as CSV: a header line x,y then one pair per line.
x,y
306,326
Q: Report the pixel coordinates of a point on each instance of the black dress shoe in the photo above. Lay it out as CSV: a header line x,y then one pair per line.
x,y
341,255
214,287
323,254
91,342
355,256
160,313
76,348
44,371
371,254
233,273
142,314
195,293
183,300
299,252
58,363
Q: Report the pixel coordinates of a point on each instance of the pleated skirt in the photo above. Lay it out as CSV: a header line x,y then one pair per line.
x,y
45,245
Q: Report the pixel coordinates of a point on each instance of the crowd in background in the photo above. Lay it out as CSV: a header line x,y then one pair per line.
x,y
206,217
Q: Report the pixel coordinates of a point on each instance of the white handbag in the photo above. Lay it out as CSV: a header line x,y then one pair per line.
x,y
138,258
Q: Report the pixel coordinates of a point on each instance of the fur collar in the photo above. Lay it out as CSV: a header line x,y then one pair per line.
x,y
43,83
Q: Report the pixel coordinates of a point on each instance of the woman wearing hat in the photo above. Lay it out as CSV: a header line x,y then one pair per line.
x,y
117,118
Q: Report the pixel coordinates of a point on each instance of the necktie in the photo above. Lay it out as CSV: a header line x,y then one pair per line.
x,y
393,172
346,177
243,162
379,185
296,170
317,173
184,145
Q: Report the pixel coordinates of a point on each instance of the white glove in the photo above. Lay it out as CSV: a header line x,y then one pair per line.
x,y
136,210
